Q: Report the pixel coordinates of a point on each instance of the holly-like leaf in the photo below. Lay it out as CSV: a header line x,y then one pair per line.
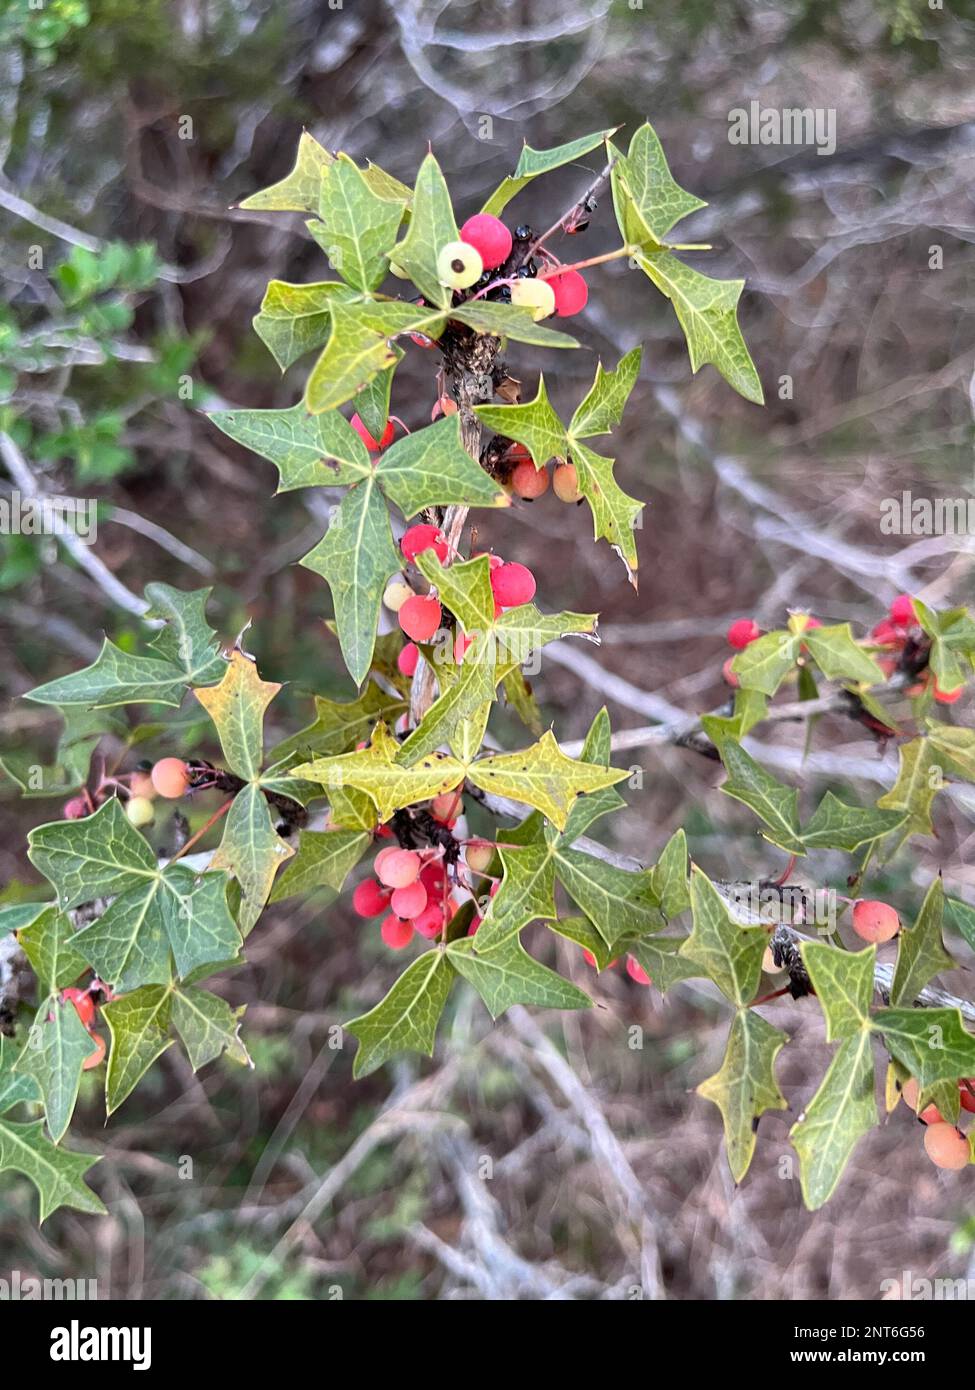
x,y
952,635
431,468
48,942
776,805
661,958
464,588
298,191
355,557
510,321
128,944
841,1112
432,225
139,1025
92,858
294,319
764,664
837,655
843,981
371,404
834,825
406,1020
339,725
614,512
252,851
931,1043
526,894
581,932
185,654
745,1087
918,782
707,312
15,1087
53,1057
601,410
307,450
920,949
361,226
237,707
208,1027
955,747
728,952
596,749
378,771
508,975
82,732
962,915
620,905
670,877
324,859
533,423
353,355
198,923
656,201
56,1173
542,776
532,163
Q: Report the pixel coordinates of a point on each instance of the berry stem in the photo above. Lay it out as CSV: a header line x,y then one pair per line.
x,y
555,271
576,210
220,811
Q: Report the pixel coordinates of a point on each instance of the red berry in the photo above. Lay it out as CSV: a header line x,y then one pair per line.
x,y
75,809
83,1002
370,898
571,293
432,876
513,584
967,1095
902,610
397,867
407,659
396,933
887,635
429,923
424,537
947,697
636,971
409,901
947,1147
728,673
476,921
528,481
420,617
489,237
97,1056
875,921
367,438
742,632
931,1115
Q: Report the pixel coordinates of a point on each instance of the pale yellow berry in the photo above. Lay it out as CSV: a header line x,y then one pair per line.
x,y
139,810
536,295
395,595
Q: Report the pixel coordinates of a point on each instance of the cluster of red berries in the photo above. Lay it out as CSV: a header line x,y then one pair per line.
x,y
528,482
944,1143
477,261
420,615
86,1002
893,633
169,777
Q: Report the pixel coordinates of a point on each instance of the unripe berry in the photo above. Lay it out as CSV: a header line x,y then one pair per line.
x,y
139,810
489,237
528,481
902,610
571,293
513,584
75,809
397,867
742,632
947,1147
409,901
371,444
396,933
424,537
420,617
875,921
395,594
430,921
636,971
536,295
565,483
170,778
140,784
459,265
96,1057
83,1003
479,858
370,898
407,660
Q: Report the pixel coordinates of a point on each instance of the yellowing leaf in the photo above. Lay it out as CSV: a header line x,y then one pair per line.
x,y
542,776
237,707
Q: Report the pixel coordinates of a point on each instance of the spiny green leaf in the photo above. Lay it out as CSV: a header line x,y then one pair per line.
x,y
92,858
431,468
542,776
837,1117
139,1024
56,1173
339,725
602,408
406,1020
510,321
432,225
379,771
918,782
661,958
294,319
526,894
534,162
237,707
834,825
198,922
53,1056
252,851
745,1087
931,1043
324,858
353,355
299,190
920,949
730,953
48,942
361,226
596,749
657,199
837,655
614,512
956,747
963,917
843,981
208,1026
508,975
355,557
464,588
534,424
128,944
581,932
773,803
620,905
764,664
307,450
670,877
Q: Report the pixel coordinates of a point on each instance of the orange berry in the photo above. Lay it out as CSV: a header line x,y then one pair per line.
x,y
875,921
170,778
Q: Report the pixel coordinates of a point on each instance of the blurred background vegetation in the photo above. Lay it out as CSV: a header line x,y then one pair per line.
x,y
129,129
